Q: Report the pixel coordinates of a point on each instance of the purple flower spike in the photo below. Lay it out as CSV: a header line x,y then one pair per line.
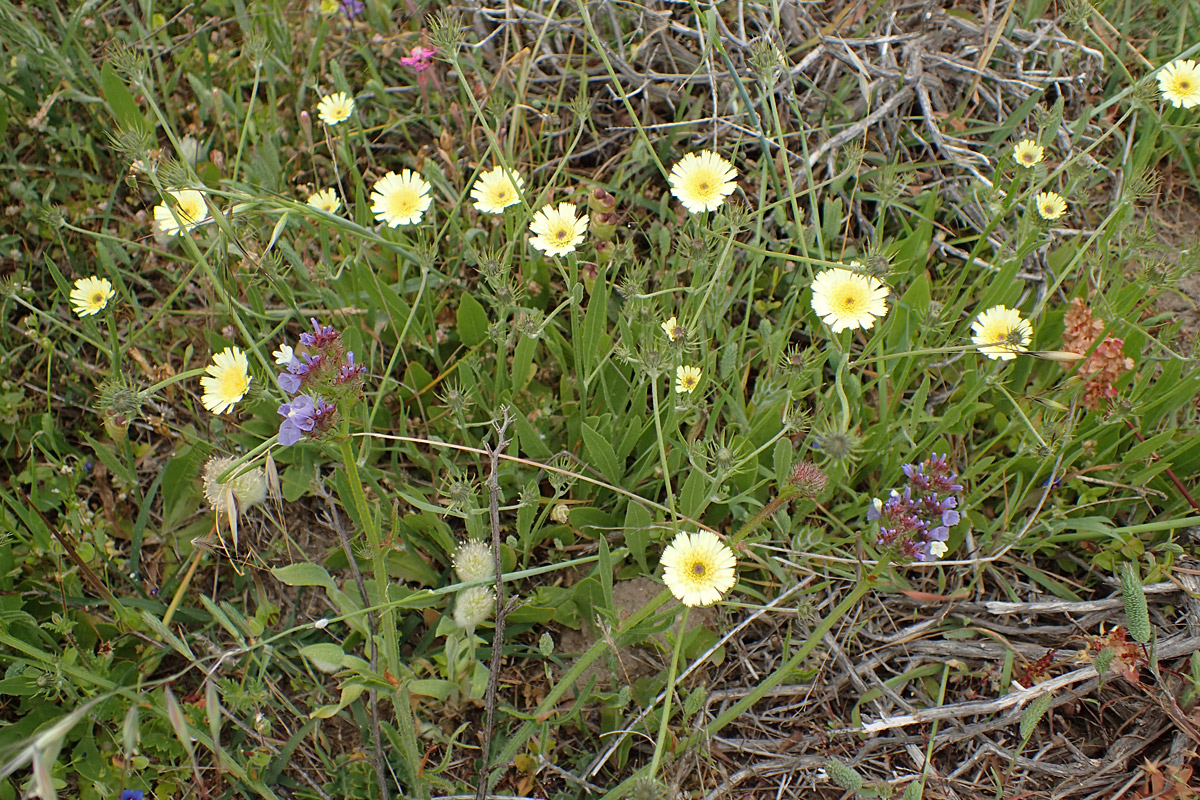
x,y
916,521
352,8
350,370
299,418
321,335
132,794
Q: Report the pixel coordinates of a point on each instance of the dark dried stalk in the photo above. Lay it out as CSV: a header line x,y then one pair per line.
x,y
493,484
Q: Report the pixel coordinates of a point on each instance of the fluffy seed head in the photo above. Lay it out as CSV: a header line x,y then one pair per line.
x,y
473,561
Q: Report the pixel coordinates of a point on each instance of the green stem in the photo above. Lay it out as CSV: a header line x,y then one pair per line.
x,y
182,376
672,674
115,343
237,159
1021,414
841,392
370,524
662,450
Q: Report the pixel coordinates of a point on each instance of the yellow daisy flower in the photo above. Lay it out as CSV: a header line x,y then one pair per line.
x,y
845,299
335,108
227,381
1028,153
400,199
494,191
558,231
326,200
686,379
189,211
91,295
673,329
698,568
1050,205
1179,83
1000,333
702,181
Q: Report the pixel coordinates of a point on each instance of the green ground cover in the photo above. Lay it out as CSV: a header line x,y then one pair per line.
x,y
887,306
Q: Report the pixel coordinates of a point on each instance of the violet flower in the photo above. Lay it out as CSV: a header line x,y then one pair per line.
x,y
917,520
304,415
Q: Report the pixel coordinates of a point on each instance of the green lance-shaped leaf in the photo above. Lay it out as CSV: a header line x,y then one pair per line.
x,y
843,775
912,791
1137,616
1104,660
1033,715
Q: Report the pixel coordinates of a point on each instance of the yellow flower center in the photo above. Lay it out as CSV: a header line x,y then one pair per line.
x,y
402,203
848,303
1184,86
97,297
233,383
561,234
698,569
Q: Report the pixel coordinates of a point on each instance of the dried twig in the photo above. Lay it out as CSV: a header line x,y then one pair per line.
x,y
493,484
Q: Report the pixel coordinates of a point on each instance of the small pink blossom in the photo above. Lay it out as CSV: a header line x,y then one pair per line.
x,y
421,58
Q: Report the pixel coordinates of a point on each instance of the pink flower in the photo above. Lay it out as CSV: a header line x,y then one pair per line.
x,y
421,58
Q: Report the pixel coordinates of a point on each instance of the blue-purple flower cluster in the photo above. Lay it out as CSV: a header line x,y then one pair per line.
x,y
321,373
916,520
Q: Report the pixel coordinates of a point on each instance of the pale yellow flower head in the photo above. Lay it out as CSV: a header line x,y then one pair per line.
x,y
189,211
91,295
493,191
1179,83
847,300
1000,333
702,181
335,108
1050,205
698,568
673,329
557,231
326,200
227,381
1028,153
400,199
687,378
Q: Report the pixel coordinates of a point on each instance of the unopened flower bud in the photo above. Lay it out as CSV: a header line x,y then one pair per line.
x,y
809,479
